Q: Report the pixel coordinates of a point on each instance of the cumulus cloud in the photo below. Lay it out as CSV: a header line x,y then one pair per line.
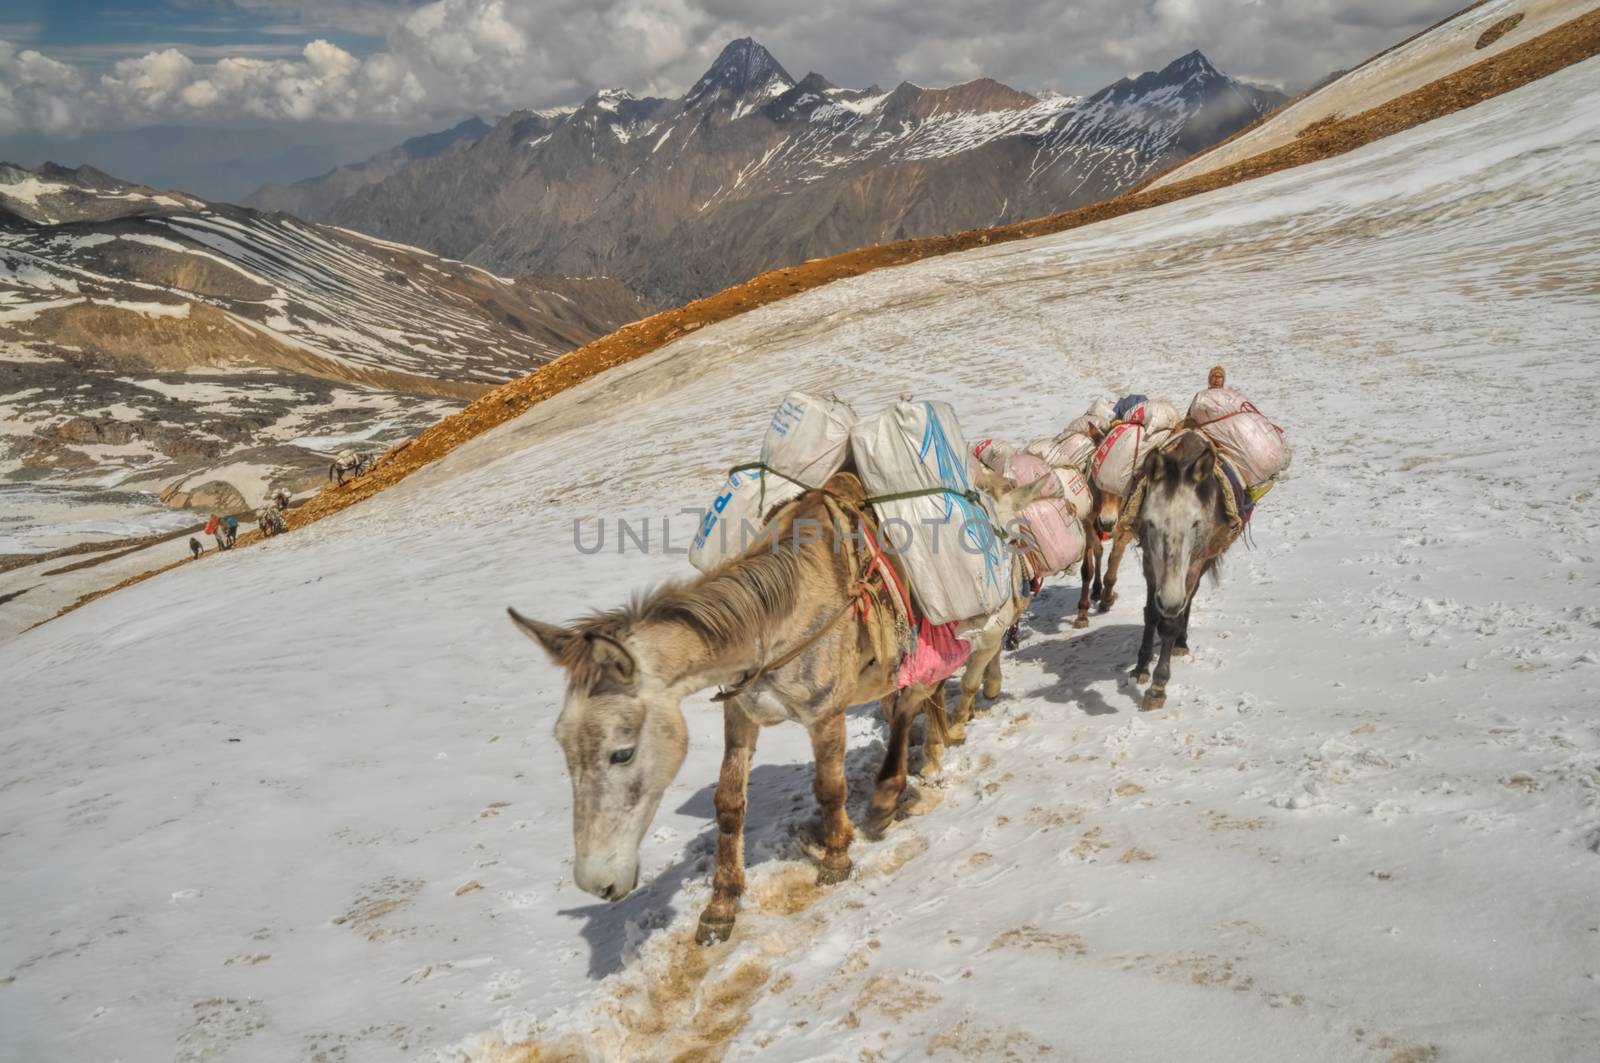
x,y
442,58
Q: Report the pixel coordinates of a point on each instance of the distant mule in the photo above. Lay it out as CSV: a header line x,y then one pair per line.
x,y
798,628
348,461
1185,520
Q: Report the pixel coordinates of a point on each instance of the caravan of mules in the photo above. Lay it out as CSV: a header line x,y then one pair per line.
x,y
825,584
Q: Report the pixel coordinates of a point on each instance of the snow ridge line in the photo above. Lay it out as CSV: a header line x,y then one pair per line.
x,y
1567,44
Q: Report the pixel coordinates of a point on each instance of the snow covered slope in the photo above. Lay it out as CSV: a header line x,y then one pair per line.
x,y
302,802
1476,33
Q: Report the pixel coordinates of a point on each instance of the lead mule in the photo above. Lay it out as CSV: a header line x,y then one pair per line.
x,y
1184,524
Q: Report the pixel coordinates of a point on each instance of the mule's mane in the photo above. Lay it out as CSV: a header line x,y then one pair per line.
x,y
752,592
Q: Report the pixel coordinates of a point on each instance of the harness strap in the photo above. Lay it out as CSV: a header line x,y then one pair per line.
x,y
742,685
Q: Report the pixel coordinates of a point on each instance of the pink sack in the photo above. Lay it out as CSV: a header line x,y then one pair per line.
x,y
1241,433
1067,484
936,656
1055,533
1024,468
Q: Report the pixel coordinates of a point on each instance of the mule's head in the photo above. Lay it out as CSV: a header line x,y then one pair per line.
x,y
1107,510
624,738
1181,513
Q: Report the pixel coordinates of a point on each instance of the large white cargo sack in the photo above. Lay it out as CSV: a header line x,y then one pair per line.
x,y
809,438
737,515
958,565
1120,455
1054,534
1241,433
1069,450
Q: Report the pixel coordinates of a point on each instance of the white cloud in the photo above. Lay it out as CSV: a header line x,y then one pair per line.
x,y
447,57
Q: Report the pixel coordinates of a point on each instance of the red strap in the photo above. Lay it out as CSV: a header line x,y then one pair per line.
x,y
891,578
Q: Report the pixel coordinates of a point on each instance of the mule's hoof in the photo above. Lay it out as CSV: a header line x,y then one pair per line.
x,y
1180,651
1081,621
1107,602
991,694
1154,699
1138,678
831,876
956,735
713,931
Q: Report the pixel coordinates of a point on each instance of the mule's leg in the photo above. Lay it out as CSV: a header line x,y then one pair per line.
x,y
827,746
1088,574
739,744
1156,696
1180,645
1099,558
892,776
991,678
971,680
1108,593
1147,645
937,733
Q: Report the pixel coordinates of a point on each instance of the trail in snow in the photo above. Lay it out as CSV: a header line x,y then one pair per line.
x,y
307,802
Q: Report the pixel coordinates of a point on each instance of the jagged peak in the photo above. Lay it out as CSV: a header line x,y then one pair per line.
x,y
1187,66
743,68
815,82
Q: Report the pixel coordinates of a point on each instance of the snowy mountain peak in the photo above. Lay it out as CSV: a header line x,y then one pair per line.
x,y
1195,64
744,70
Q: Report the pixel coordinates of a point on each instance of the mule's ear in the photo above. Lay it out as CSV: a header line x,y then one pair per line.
x,y
1203,466
614,658
553,639
1155,466
989,480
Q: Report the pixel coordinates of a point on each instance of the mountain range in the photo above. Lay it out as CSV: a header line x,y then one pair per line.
x,y
752,169
156,342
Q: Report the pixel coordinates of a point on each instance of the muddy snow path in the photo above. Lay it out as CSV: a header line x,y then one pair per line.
x,y
304,804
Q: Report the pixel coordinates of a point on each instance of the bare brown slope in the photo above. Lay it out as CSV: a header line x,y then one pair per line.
x,y
1570,43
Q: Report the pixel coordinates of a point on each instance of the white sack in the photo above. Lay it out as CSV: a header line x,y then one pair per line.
x,y
1069,450
736,516
809,438
958,567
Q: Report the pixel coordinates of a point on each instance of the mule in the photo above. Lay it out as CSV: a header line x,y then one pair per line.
x,y
1106,522
270,521
1184,522
348,461
797,628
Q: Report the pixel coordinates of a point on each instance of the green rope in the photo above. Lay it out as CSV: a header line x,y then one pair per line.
x,y
970,494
